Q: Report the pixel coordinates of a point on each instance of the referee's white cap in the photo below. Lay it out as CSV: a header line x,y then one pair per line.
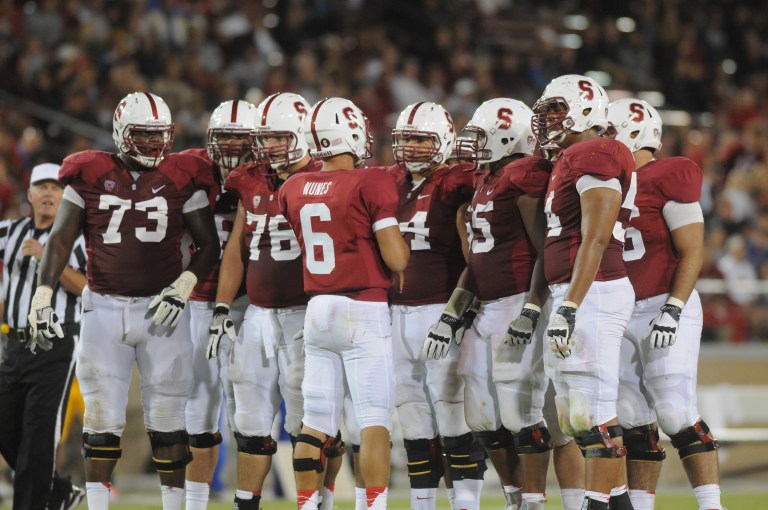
x,y
44,172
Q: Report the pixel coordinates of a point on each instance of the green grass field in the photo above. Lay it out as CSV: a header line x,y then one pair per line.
x,y
756,501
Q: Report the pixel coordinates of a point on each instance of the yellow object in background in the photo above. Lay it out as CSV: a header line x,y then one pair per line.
x,y
5,329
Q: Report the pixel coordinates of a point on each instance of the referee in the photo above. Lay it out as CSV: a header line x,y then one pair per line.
x,y
34,386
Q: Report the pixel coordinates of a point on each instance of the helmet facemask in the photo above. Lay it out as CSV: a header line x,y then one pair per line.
x,y
147,144
278,150
416,150
551,122
230,148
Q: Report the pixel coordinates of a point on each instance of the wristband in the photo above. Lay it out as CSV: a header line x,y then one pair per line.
x,y
675,302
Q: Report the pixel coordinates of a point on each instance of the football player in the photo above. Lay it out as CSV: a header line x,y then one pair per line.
x,y
345,220
431,193
231,130
588,202
134,207
663,255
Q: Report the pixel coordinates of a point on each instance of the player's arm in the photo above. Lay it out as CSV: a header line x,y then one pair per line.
x,y
393,250
65,231
461,228
686,225
535,223
599,212
201,226
232,266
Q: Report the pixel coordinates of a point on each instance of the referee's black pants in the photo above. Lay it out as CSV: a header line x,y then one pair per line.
x,y
34,389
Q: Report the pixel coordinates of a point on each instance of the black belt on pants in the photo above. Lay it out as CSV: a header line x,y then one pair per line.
x,y
22,334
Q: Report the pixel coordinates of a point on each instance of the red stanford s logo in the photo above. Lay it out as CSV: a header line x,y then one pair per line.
x,y
505,116
349,113
119,109
586,86
638,111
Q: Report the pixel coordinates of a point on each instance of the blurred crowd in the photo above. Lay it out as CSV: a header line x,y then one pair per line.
x,y
66,63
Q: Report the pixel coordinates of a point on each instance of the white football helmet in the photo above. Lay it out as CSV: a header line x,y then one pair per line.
x,y
499,128
424,120
336,126
570,103
231,132
635,123
144,116
280,140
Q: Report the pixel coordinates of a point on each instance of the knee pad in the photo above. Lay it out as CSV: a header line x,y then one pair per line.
x,y
601,435
693,440
495,439
255,445
308,463
337,448
642,444
466,457
101,446
425,462
182,455
533,440
205,440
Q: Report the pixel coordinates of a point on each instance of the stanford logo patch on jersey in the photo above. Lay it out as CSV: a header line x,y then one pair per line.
x,y
109,185
256,201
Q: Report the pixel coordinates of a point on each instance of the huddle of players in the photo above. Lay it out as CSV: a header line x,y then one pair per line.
x,y
492,238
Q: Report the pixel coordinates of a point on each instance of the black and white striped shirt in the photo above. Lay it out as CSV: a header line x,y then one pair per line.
x,y
20,274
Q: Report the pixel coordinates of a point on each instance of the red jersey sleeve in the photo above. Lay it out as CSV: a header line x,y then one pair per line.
x,y
459,184
379,194
681,180
85,166
233,182
601,158
532,179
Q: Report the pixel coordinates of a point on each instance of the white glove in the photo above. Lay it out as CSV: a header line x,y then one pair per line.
x,y
221,325
438,341
662,330
43,321
561,330
521,330
299,335
466,320
171,301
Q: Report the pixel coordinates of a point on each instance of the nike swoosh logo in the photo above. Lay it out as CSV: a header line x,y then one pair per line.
x,y
423,196
155,190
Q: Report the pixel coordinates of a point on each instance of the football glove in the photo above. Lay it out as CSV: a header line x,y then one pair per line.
x,y
467,320
171,301
561,330
662,330
221,325
521,330
438,341
43,321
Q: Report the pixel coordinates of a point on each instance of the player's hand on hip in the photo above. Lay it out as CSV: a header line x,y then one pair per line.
x,y
521,330
221,325
560,331
171,301
43,322
662,330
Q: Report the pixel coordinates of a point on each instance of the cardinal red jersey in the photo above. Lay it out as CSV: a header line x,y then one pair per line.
x,y
501,256
603,159
224,207
334,214
274,276
649,254
133,227
427,217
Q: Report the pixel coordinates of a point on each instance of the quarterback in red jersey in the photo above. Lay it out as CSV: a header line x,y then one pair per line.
x,y
588,202
231,131
134,208
429,393
345,220
663,255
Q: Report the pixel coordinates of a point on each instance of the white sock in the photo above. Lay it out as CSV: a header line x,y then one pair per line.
x,y
327,498
173,497
243,494
641,499
309,502
423,499
376,498
97,495
451,497
534,497
597,496
618,491
513,495
197,495
708,496
361,501
467,493
572,498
